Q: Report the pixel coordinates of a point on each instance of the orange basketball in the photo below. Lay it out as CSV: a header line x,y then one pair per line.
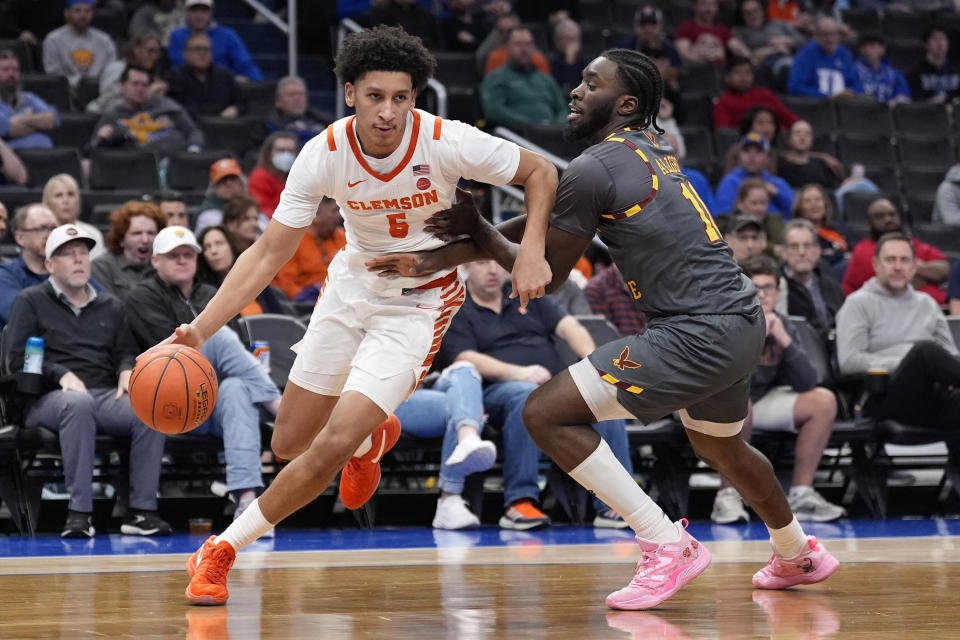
x,y
173,388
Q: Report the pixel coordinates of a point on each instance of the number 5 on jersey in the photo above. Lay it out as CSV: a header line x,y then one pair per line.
x,y
398,225
713,233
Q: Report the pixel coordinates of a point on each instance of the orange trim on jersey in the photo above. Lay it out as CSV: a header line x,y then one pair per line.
x,y
437,121
331,142
453,297
352,138
440,282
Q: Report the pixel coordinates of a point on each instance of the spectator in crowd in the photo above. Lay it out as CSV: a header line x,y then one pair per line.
x,y
610,297
292,112
935,78
499,56
771,42
155,123
648,31
241,217
929,270
4,222
172,206
824,68
745,235
220,251
32,225
268,178
753,199
813,291
704,39
172,295
453,409
515,353
61,194
518,93
567,61
129,247
77,50
953,289
742,94
87,360
202,87
753,161
888,325
12,170
798,164
785,397
24,116
946,205
790,12
226,181
29,20
143,51
878,77
228,49
303,276
156,16
812,203
463,30
414,19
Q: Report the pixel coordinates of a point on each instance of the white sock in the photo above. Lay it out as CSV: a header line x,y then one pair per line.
x,y
247,528
788,541
365,446
603,475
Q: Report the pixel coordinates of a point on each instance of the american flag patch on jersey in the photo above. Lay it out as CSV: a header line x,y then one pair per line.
x,y
421,169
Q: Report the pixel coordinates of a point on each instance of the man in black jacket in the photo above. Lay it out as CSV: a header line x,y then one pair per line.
x,y
172,296
89,355
812,290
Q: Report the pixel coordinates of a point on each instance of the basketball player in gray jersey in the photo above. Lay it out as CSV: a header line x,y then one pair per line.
x,y
705,334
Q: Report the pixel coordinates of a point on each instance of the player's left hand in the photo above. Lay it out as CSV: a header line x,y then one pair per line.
x,y
123,384
393,265
459,220
531,275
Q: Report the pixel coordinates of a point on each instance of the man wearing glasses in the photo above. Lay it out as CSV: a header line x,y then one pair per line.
x,y
31,226
812,290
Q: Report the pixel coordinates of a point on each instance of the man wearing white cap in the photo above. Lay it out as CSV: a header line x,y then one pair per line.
x,y
171,296
88,358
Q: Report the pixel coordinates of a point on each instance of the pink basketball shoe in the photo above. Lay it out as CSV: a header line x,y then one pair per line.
x,y
813,564
661,572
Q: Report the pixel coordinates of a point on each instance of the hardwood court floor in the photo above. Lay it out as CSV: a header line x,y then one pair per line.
x,y
886,588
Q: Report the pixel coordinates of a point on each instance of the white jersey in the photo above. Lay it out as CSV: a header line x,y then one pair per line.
x,y
385,201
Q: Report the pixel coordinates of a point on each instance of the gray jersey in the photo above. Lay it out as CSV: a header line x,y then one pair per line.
x,y
630,190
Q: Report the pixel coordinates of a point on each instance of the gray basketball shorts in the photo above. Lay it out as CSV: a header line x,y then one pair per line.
x,y
701,363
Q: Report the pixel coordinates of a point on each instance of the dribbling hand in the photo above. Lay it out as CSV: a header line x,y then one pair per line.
x,y
185,334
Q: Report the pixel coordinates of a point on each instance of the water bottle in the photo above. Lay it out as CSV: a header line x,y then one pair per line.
x,y
261,351
33,356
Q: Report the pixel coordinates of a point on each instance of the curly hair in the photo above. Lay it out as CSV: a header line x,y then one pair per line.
x,y
384,49
120,222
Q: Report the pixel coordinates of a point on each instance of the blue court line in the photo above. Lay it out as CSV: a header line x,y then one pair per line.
x,y
411,538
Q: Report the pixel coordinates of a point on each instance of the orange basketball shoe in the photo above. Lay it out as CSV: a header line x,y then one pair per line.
x,y
361,476
208,568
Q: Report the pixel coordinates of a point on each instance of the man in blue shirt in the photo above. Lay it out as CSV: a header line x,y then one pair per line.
x,y
228,49
24,117
879,78
824,68
753,160
31,226
515,353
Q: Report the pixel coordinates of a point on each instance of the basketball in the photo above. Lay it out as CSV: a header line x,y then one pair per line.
x,y
173,388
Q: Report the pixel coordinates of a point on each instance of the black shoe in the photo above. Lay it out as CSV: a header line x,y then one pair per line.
x,y
144,523
79,524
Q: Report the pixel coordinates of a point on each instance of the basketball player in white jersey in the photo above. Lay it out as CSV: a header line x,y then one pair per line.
x,y
370,340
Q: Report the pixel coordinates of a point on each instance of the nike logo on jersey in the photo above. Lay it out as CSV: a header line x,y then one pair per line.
x,y
353,184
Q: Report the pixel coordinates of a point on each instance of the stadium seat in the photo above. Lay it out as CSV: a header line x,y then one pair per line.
x,y
188,171
704,77
868,150
856,203
698,108
124,169
457,69
281,332
112,20
91,200
945,237
19,47
75,130
723,139
905,25
550,138
699,143
54,89
920,207
675,13
463,104
258,97
920,118
87,91
43,164
885,177
903,54
862,19
817,111
236,134
918,182
864,117
930,151
597,12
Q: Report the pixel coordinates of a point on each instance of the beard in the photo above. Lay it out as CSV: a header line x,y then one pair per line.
x,y
590,124
9,93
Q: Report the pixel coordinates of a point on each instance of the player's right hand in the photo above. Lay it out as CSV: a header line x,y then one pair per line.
x,y
185,334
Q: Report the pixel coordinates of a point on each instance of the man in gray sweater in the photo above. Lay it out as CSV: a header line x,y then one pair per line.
x,y
156,123
77,50
888,325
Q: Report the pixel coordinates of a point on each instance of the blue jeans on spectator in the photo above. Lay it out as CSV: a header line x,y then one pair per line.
x,y
236,416
454,401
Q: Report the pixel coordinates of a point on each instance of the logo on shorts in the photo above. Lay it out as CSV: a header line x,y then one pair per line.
x,y
624,362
